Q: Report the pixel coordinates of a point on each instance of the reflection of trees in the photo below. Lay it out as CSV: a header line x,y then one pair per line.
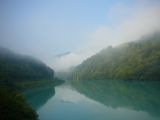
x,y
39,96
140,96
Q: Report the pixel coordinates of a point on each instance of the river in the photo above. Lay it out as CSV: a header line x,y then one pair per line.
x,y
97,100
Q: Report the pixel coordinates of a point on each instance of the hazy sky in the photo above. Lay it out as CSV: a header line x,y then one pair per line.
x,y
45,28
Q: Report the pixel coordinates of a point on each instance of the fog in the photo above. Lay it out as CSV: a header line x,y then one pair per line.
x,y
45,29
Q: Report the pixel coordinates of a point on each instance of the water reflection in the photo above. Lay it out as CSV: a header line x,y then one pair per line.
x,y
38,96
134,95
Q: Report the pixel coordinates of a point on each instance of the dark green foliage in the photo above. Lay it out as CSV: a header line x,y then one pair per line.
x,y
18,72
19,67
139,60
14,107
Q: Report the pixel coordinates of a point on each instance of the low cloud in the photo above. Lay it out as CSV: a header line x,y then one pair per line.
x,y
141,21
67,61
130,25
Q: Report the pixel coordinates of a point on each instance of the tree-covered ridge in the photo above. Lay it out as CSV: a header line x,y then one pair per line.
x,y
20,67
19,72
14,69
139,60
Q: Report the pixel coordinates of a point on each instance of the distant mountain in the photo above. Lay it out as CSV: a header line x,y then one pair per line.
x,y
138,60
66,61
18,67
63,54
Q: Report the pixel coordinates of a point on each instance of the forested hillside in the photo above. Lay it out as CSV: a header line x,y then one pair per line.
x,y
19,67
15,68
138,60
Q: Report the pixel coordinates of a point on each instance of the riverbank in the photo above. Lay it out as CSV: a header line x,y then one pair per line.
x,y
38,83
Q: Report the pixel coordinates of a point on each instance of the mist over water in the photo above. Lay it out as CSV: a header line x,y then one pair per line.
x,y
80,59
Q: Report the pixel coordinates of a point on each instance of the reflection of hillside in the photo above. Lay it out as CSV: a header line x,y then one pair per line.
x,y
139,96
39,96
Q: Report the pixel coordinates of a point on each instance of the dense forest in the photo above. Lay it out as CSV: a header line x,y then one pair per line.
x,y
138,60
19,67
15,68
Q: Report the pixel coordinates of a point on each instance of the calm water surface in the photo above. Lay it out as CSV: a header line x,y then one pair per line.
x,y
97,100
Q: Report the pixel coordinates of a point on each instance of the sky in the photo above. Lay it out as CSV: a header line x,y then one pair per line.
x,y
46,28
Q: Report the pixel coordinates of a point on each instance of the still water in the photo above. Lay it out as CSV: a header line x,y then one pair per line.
x,y
97,100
